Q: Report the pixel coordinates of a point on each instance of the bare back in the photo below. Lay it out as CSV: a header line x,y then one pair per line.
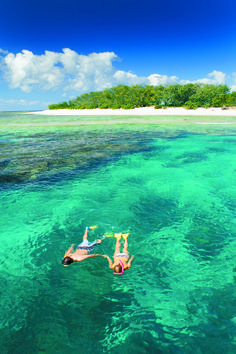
x,y
81,254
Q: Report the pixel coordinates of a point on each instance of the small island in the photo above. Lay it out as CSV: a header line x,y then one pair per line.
x,y
189,96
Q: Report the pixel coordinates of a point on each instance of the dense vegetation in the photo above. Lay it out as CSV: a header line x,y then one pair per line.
x,y
190,96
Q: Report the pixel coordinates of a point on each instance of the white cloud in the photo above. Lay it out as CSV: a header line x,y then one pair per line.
x,y
88,73
214,78
22,105
233,86
157,79
26,70
72,72
53,70
4,52
22,102
218,76
127,78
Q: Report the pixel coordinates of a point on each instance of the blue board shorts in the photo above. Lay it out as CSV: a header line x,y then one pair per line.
x,y
86,245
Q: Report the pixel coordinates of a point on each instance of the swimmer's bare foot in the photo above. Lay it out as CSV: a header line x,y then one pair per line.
x,y
125,236
118,236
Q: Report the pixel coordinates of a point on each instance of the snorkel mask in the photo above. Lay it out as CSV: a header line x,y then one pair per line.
x,y
122,268
71,260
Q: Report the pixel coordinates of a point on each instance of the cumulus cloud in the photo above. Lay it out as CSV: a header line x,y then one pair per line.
x,y
214,78
52,70
26,70
86,73
127,78
157,79
73,72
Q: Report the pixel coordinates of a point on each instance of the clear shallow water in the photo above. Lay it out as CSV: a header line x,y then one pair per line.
x,y
171,187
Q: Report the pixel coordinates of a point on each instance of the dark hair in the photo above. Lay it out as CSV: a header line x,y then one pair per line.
x,y
67,260
117,268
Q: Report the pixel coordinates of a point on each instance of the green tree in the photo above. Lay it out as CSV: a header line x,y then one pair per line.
x,y
231,99
189,95
206,93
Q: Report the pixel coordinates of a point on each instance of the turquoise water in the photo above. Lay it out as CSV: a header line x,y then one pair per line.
x,y
172,186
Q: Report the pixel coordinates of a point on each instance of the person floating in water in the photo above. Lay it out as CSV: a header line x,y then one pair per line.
x,y
82,250
121,260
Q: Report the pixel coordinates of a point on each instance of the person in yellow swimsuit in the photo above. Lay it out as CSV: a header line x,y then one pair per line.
x,y
82,250
121,259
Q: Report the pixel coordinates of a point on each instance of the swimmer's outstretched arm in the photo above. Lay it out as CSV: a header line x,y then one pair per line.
x,y
109,261
93,255
70,249
129,263
79,258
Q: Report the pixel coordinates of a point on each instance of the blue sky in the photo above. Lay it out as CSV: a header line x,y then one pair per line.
x,y
52,51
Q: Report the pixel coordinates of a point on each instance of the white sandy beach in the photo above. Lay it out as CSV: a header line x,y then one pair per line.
x,y
144,111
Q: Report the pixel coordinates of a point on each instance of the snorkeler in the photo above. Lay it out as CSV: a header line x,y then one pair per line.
x,y
121,260
82,250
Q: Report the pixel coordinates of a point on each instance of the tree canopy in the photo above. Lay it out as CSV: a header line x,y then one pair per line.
x,y
190,96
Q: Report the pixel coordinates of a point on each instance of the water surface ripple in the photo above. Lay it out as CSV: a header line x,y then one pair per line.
x,y
171,187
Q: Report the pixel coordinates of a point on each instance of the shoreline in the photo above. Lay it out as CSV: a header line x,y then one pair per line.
x,y
142,111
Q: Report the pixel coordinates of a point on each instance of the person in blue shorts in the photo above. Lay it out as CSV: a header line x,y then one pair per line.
x,y
83,249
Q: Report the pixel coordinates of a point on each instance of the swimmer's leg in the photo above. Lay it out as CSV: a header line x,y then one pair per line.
x,y
85,234
87,230
125,249
117,246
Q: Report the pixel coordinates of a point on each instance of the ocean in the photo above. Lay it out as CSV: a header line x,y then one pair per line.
x,y
171,186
